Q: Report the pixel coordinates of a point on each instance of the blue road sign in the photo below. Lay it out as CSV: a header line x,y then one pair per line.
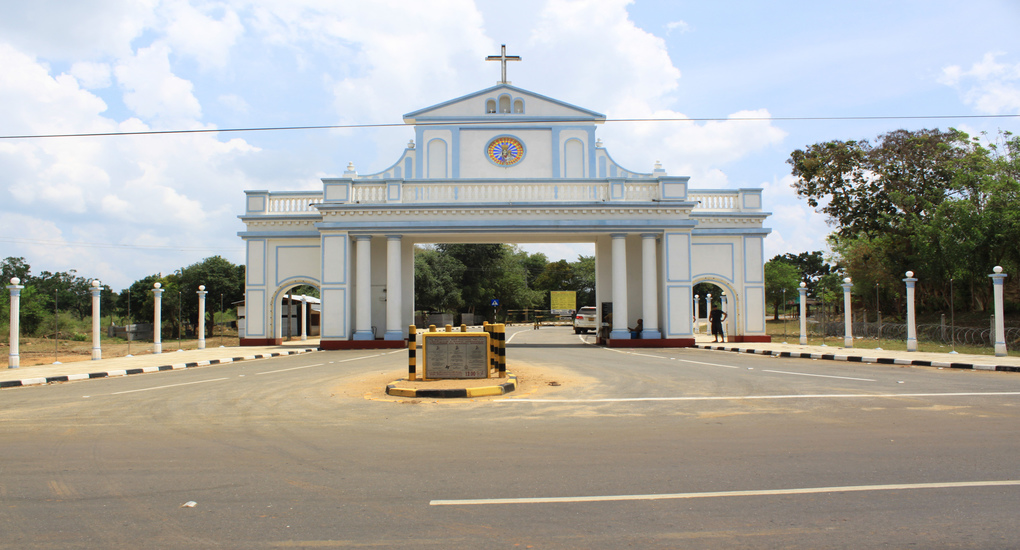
x,y
495,302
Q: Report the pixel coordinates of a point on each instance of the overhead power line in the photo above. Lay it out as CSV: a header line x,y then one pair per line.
x,y
506,121
112,245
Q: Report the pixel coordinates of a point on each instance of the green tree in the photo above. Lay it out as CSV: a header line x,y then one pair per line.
x,y
781,282
584,280
437,281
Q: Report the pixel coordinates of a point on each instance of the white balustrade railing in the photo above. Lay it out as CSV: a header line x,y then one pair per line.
x,y
285,203
722,200
481,192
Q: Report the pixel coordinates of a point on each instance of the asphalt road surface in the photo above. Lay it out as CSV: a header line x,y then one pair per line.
x,y
598,449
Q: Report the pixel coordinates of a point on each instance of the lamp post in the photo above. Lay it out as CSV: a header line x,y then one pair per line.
x,y
201,316
911,319
848,329
998,277
14,358
157,318
803,313
784,313
97,293
697,306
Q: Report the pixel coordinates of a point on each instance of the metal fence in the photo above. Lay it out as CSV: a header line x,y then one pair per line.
x,y
941,333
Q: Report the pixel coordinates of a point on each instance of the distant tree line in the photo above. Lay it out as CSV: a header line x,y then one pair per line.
x,y
49,300
452,278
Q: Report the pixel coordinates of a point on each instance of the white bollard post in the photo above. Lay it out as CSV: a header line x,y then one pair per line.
x,y
848,329
97,293
14,359
201,316
697,313
998,277
304,318
803,313
911,318
157,319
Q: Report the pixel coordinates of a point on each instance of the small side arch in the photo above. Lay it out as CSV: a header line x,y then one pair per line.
x,y
734,303
275,308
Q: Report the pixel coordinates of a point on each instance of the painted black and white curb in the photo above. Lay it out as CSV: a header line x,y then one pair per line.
x,y
394,389
142,370
864,359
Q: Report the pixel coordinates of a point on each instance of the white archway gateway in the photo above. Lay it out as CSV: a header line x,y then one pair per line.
x,y
530,173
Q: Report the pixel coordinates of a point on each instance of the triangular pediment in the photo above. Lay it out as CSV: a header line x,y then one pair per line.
x,y
501,102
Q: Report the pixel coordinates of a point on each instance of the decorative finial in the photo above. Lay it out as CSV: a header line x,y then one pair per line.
x,y
157,285
997,269
95,283
910,274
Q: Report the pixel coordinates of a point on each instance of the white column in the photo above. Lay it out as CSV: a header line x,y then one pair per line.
x,y
911,318
304,318
803,313
14,359
724,305
998,277
97,293
848,329
394,291
619,329
363,288
697,313
649,289
201,316
157,318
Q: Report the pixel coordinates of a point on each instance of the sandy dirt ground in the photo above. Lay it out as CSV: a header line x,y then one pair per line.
x,y
532,380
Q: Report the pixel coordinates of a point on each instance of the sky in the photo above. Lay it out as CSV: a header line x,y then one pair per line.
x,y
119,208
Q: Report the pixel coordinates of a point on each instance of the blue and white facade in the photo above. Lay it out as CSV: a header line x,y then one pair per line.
x,y
503,165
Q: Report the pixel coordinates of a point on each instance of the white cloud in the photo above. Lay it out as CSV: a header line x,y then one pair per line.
x,y
197,32
91,75
989,86
682,26
154,93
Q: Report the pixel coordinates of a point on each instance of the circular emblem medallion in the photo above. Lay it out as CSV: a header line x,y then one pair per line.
x,y
505,151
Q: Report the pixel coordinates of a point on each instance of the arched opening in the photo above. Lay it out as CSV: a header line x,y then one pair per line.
x,y
504,104
490,106
712,294
296,311
518,107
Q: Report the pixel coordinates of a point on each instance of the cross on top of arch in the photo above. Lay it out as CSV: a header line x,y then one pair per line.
x,y
503,58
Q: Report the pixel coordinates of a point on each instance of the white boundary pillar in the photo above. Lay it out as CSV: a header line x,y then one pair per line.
x,y
157,318
911,315
201,316
394,291
848,328
13,358
619,287
304,318
998,277
803,313
697,313
363,288
97,294
649,289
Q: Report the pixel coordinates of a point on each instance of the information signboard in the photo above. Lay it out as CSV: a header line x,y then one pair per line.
x,y
562,302
455,355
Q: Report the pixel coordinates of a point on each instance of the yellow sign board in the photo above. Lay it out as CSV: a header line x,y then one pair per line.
x,y
562,302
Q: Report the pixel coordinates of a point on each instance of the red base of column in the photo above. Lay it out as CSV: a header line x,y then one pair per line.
x,y
261,341
751,338
650,343
362,344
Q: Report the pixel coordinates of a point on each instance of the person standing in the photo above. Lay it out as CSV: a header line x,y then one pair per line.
x,y
716,317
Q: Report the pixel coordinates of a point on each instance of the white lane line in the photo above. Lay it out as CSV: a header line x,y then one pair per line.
x,y
321,364
168,386
753,397
820,375
718,494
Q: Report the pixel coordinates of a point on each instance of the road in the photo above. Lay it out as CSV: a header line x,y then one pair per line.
x,y
598,449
